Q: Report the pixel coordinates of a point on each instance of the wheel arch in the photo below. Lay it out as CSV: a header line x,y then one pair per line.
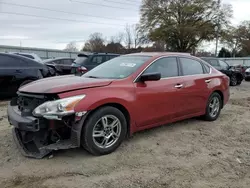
x,y
120,107
221,95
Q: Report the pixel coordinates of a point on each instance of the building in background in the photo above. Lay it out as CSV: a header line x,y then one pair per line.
x,y
41,52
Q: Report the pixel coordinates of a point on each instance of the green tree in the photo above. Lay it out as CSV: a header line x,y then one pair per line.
x,y
183,24
224,53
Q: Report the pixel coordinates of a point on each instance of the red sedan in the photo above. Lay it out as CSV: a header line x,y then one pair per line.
x,y
122,96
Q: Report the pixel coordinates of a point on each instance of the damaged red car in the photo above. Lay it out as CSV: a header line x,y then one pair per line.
x,y
114,100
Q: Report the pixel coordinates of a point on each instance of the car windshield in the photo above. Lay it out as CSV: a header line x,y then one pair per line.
x,y
118,68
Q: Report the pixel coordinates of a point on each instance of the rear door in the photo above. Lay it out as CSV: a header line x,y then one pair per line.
x,y
156,99
194,91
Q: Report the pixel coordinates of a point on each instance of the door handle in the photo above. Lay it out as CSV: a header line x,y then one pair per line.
x,y
178,86
18,71
208,81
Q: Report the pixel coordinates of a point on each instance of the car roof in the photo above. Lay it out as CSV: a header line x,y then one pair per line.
x,y
153,54
23,53
20,57
208,57
59,58
93,53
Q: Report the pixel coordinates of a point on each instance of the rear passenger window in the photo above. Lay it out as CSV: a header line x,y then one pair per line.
x,y
6,61
111,57
168,67
97,59
107,58
67,62
191,67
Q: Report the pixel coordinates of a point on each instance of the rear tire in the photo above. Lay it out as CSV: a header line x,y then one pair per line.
x,y
239,82
99,135
213,107
233,80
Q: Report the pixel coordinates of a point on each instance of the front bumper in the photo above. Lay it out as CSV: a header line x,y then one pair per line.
x,y
29,131
27,123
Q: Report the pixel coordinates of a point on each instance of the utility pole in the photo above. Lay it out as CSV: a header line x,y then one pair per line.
x,y
218,28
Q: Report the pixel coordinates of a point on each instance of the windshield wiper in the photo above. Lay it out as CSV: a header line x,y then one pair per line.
x,y
92,77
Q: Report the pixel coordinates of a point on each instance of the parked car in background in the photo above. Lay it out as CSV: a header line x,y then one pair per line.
x,y
28,55
247,74
62,66
115,99
232,72
85,62
16,71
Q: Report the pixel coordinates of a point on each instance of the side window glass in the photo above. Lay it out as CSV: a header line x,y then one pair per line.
x,y
6,61
58,62
168,67
191,67
67,62
108,57
97,60
223,65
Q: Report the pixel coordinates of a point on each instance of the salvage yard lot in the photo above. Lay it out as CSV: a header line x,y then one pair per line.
x,y
191,153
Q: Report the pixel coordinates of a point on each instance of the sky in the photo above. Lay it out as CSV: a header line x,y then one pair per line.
x,y
75,20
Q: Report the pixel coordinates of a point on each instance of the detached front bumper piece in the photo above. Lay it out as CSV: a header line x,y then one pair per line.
x,y
32,135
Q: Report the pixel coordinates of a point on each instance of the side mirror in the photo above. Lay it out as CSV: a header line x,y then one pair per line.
x,y
150,77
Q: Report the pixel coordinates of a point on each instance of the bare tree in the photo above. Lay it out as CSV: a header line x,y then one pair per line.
x,y
136,35
128,36
71,47
95,43
117,38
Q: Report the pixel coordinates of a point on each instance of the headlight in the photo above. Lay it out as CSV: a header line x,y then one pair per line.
x,y
247,70
58,108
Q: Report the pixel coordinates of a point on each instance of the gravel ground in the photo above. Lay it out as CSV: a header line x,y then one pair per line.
x,y
191,153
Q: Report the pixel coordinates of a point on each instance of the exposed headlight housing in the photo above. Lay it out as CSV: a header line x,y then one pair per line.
x,y
58,108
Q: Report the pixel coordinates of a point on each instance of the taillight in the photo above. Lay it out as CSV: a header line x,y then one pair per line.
x,y
82,69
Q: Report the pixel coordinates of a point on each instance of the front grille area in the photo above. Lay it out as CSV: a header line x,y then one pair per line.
x,y
26,104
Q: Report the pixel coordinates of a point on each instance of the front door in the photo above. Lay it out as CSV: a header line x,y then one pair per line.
x,y
156,99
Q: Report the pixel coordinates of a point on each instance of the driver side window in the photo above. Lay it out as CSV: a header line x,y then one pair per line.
x,y
167,66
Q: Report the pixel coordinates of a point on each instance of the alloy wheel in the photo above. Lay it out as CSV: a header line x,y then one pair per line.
x,y
106,131
214,107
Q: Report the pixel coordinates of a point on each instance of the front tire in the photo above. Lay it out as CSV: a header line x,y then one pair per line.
x,y
213,107
104,131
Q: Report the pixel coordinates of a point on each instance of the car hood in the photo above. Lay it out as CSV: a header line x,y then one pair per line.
x,y
60,84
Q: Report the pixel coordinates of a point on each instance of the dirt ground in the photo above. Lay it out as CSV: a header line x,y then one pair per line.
x,y
191,153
